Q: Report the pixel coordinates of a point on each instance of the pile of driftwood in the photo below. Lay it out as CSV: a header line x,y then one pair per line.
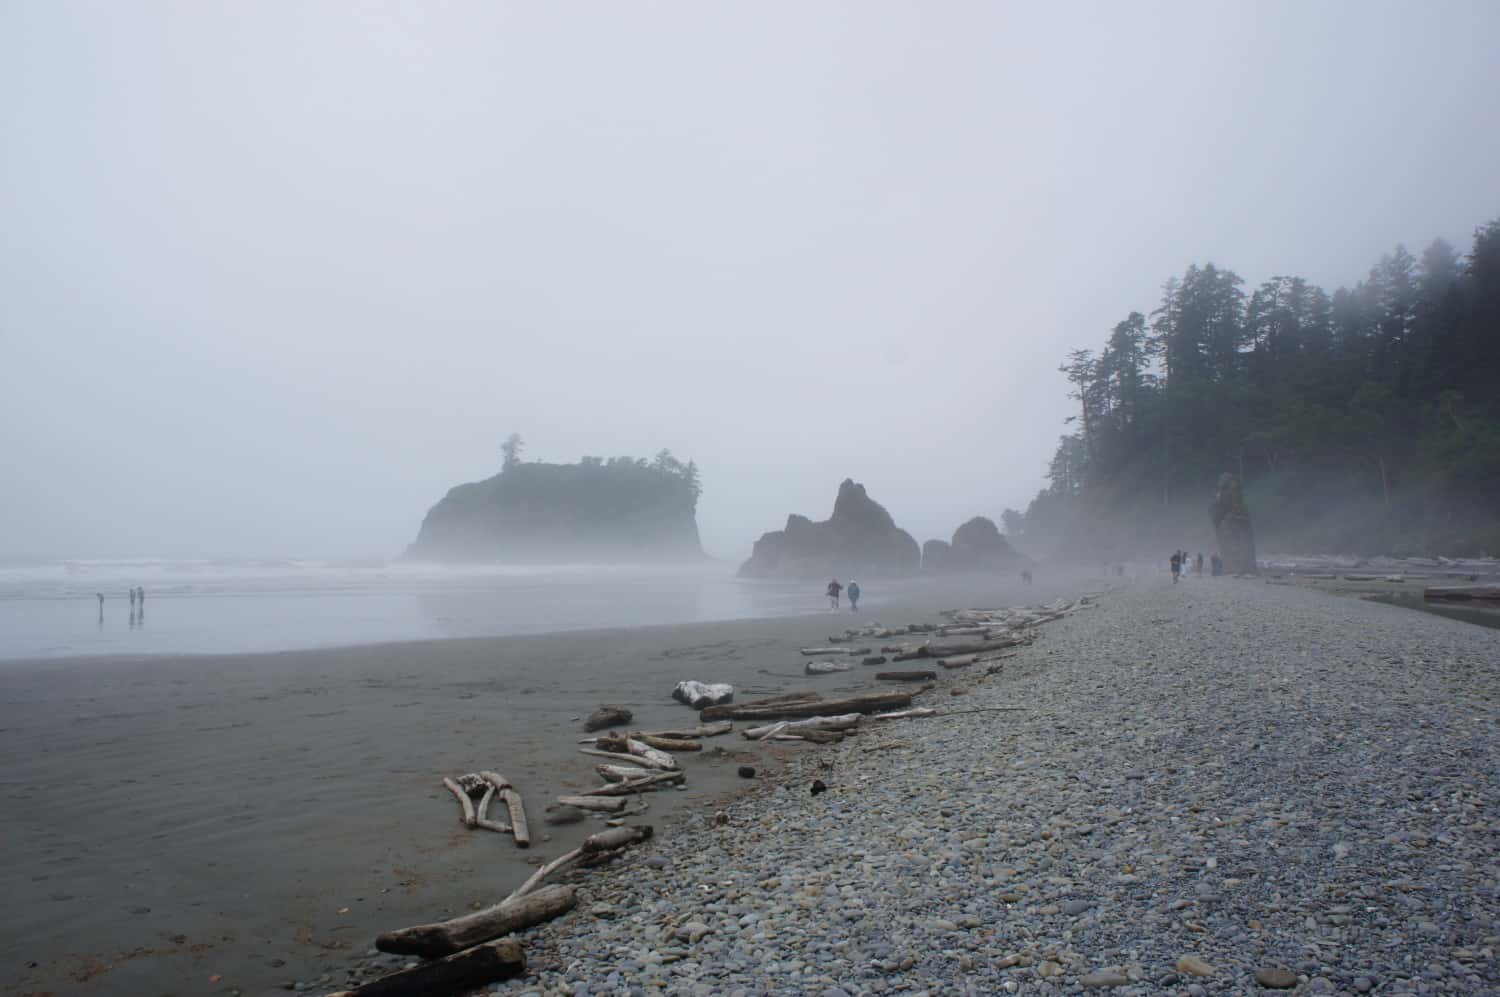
x,y
472,950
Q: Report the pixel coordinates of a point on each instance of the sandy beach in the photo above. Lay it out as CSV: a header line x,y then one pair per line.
x,y
221,824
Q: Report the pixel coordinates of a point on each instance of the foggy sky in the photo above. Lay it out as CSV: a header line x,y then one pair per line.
x,y
274,276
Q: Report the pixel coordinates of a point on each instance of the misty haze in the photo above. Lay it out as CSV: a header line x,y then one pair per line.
x,y
993,472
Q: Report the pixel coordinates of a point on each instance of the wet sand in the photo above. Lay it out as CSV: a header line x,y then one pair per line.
x,y
260,818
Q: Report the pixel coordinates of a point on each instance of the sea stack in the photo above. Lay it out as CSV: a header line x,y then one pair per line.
x,y
859,539
1232,527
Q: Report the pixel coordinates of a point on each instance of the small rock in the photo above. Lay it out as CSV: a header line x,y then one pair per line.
x,y
747,771
1275,979
818,786
1076,907
1191,965
1048,968
1104,978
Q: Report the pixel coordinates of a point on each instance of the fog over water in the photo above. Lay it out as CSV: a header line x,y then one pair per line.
x,y
274,276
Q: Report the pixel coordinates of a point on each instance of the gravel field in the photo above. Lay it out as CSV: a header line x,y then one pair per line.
x,y
1186,787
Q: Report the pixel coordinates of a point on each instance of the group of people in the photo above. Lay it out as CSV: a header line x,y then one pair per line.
x,y
834,588
1182,562
137,602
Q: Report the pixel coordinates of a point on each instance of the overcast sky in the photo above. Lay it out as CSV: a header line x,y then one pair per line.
x,y
273,276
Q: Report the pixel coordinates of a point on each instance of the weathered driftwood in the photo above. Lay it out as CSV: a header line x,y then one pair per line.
x,y
768,710
812,734
843,722
518,825
668,743
654,781
621,744
701,694
702,730
467,804
816,652
906,676
602,804
960,661
826,667
622,773
456,973
911,654
608,716
431,941
911,714
595,844
1462,593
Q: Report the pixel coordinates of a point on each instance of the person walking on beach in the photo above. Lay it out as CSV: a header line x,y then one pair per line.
x,y
1026,576
834,588
132,602
1176,565
853,596
1198,565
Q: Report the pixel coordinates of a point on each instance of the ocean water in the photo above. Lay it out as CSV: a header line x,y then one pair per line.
x,y
50,609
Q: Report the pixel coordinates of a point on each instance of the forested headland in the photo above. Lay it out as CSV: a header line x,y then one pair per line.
x,y
1362,421
622,509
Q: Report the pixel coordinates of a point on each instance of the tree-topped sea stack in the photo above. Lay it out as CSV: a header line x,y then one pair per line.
x,y
1232,527
860,538
597,510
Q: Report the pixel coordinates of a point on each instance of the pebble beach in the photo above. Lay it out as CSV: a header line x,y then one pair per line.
x,y
1215,787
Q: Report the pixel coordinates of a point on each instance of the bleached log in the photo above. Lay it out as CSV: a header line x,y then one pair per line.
x,y
643,784
841,722
518,825
961,661
906,676
602,804
668,743
463,801
621,744
622,773
702,730
826,667
457,973
812,734
431,941
768,710
911,714
594,844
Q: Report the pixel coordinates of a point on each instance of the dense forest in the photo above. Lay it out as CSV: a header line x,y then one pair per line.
x,y
616,509
1365,421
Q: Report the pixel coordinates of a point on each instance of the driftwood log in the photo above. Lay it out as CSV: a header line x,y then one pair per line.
x,y
622,773
655,780
602,804
513,804
775,709
911,714
608,716
702,730
468,816
668,743
595,844
431,941
811,735
843,722
620,744
456,973
961,661
906,676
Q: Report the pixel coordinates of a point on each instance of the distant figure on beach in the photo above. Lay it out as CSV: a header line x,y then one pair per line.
x,y
1176,565
1026,576
834,588
140,595
1216,564
1198,565
1120,571
853,596
101,604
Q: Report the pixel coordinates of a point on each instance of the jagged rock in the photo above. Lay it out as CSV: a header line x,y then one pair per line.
x,y
1231,521
977,546
859,539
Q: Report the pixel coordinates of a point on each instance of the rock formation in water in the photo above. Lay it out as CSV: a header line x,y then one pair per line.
x,y
1231,521
621,511
859,539
977,546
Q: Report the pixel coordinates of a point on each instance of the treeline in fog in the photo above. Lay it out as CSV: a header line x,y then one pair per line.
x,y
1366,420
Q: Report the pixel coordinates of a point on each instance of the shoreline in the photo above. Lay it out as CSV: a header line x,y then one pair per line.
x,y
261,817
